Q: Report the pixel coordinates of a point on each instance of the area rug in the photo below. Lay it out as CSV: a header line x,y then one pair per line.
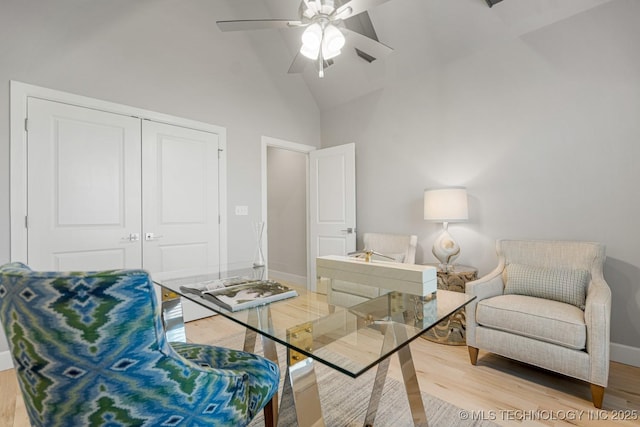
x,y
344,400
344,404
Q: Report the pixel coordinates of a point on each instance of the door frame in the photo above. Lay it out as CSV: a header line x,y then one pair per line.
x,y
19,94
267,142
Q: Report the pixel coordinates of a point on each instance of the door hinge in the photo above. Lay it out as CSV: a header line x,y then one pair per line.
x,y
26,124
26,221
219,219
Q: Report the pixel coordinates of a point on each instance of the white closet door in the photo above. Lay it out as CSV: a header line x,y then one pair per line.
x,y
83,188
180,202
108,191
180,198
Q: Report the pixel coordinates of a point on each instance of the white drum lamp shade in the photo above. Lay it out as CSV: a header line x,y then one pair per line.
x,y
446,205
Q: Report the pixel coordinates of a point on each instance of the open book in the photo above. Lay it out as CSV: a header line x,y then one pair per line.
x,y
237,293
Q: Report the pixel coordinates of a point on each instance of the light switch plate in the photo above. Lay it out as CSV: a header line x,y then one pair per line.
x,y
242,210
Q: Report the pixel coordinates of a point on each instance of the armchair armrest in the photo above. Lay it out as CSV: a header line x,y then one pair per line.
x,y
597,316
488,286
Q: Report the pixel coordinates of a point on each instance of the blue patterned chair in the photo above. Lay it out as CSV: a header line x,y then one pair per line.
x,y
89,350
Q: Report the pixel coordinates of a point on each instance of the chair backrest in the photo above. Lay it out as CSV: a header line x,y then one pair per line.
x,y
401,247
553,254
83,344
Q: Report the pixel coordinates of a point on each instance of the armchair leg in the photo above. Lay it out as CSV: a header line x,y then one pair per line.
x,y
269,414
473,355
597,395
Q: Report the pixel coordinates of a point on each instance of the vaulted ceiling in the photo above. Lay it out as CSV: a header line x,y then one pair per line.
x,y
425,36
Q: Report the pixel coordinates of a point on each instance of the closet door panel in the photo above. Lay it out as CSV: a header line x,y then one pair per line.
x,y
83,188
180,198
180,202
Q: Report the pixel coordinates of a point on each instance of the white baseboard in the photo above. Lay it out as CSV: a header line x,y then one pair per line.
x,y
5,360
625,354
288,277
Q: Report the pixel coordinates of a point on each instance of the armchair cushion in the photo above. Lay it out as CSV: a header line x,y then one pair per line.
x,y
544,320
559,284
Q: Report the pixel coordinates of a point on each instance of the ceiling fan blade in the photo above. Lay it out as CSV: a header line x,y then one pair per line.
x,y
308,4
371,47
299,63
257,24
356,7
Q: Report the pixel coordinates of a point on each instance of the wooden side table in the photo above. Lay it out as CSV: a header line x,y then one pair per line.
x,y
453,330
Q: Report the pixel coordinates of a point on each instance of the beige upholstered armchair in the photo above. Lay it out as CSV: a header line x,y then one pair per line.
x,y
400,247
546,304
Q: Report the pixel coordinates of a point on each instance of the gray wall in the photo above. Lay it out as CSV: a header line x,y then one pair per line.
x,y
165,56
542,129
287,211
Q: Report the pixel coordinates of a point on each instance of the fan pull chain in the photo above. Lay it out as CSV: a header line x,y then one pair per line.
x,y
321,57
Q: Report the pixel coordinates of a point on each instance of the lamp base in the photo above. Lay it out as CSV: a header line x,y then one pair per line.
x,y
445,249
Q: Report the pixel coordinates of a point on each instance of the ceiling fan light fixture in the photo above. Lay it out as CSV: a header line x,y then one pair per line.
x,y
311,41
332,41
310,52
331,54
312,36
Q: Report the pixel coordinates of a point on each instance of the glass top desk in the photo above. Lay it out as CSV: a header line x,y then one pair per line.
x,y
350,340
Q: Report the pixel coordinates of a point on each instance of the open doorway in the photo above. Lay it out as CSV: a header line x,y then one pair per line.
x,y
285,204
330,207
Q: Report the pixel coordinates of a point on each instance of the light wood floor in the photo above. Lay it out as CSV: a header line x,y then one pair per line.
x,y
496,389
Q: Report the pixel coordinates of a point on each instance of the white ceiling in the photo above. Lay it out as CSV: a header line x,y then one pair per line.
x,y
425,34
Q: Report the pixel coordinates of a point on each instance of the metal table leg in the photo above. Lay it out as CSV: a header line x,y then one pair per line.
x,y
172,318
262,318
412,387
381,377
301,390
376,393
394,333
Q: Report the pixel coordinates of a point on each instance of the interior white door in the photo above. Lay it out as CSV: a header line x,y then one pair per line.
x,y
180,202
332,204
83,188
180,198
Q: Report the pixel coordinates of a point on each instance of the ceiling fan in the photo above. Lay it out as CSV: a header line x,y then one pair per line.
x,y
325,33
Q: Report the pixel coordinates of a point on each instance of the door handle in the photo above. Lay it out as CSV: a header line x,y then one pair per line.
x,y
133,237
151,236
349,230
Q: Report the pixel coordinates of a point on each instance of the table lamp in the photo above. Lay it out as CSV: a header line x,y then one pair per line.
x,y
446,205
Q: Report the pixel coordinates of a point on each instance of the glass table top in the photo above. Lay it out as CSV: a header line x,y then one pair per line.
x,y
348,339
